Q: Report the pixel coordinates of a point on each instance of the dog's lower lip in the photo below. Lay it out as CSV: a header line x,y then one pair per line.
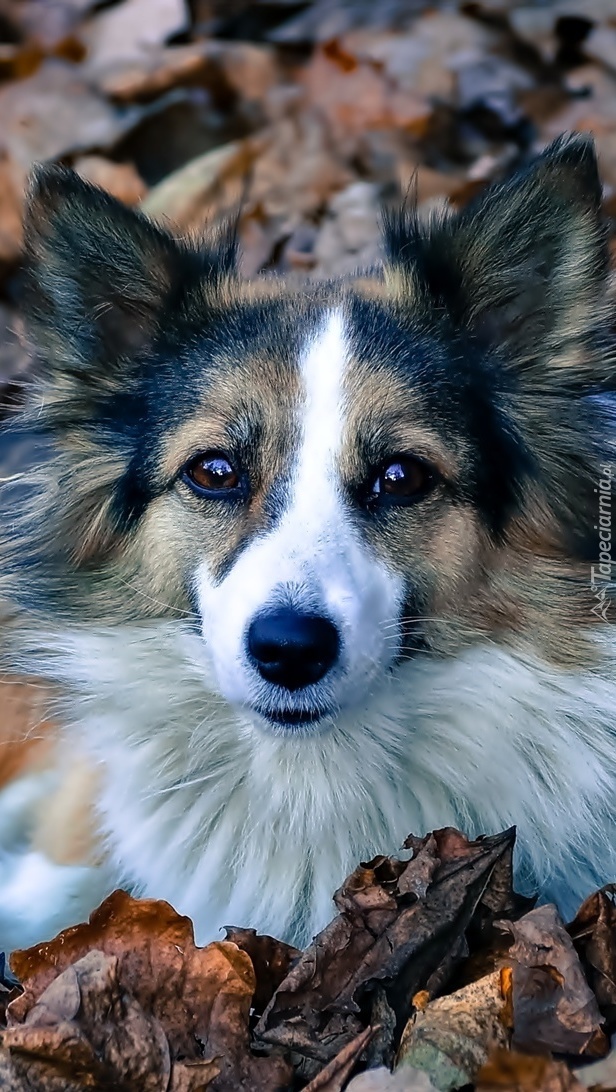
x,y
292,716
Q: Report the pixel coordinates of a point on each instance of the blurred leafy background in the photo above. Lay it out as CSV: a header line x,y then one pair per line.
x,y
307,115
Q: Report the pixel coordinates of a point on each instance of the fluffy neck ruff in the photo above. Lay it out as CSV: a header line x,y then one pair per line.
x,y
234,826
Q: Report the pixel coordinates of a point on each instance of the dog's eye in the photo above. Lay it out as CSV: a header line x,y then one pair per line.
x,y
402,480
211,474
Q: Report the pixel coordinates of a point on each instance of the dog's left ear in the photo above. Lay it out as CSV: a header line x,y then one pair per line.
x,y
101,279
523,267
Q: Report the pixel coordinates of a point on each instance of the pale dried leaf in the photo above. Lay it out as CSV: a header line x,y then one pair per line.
x,y
453,1036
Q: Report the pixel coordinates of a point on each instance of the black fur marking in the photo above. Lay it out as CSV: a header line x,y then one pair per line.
x,y
464,393
512,265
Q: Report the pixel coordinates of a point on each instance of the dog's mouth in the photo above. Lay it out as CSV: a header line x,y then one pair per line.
x,y
292,718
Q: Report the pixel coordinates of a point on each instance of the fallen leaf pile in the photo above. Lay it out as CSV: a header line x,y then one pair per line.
x,y
433,975
309,115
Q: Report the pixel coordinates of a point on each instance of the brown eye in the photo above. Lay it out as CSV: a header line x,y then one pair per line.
x,y
211,474
402,480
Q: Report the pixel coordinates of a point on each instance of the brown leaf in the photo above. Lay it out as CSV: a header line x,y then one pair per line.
x,y
250,71
207,187
155,71
298,169
195,1076
382,937
593,932
121,180
334,1076
200,996
86,1025
350,237
55,113
32,1075
10,211
271,959
509,1071
554,1008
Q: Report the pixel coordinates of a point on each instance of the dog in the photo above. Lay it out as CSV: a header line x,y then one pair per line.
x,y
313,566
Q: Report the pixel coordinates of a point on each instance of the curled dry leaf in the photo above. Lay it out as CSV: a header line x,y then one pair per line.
x,y
554,1008
453,1036
398,920
593,932
201,997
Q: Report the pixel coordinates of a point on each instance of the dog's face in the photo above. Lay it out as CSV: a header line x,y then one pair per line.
x,y
332,481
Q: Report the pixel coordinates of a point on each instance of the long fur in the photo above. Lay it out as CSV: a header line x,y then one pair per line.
x,y
230,827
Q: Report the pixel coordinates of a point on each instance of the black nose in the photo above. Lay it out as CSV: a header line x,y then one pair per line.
x,y
293,649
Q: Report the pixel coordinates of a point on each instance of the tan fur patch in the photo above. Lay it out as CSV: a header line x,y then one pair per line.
x,y
27,735
66,826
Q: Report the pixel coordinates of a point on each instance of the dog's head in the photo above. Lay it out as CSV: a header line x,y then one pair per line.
x,y
331,481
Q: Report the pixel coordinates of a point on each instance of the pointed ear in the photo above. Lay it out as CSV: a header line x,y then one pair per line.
x,y
524,266
101,278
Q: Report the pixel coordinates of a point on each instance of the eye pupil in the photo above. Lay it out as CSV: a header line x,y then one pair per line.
x,y
404,479
211,473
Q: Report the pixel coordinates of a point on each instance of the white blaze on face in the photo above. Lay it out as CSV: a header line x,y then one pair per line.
x,y
313,560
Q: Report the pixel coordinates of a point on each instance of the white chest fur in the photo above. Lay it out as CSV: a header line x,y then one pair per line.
x,y
234,826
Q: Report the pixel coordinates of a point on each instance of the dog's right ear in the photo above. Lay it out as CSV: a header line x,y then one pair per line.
x,y
101,279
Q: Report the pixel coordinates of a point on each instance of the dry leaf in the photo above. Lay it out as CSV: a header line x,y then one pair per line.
x,y
554,1008
350,238
86,1025
334,1076
593,932
200,996
11,195
509,1071
121,180
51,24
125,32
452,1037
271,959
211,184
55,113
298,169
383,936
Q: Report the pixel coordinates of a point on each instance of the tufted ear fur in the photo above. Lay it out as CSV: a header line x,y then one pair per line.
x,y
102,281
522,268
